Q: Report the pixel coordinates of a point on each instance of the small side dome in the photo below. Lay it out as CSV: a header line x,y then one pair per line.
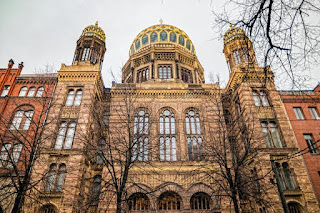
x,y
232,33
94,30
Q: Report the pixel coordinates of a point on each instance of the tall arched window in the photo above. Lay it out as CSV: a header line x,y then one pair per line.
x,y
40,92
173,37
74,99
200,200
70,97
145,40
96,187
15,154
154,37
65,135
167,131
51,178
169,201
163,36
22,120
138,202
23,91
164,72
85,54
193,132
141,133
181,40
5,150
60,177
31,92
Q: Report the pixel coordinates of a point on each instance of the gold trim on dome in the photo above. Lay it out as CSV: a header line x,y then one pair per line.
x,y
94,30
233,32
142,41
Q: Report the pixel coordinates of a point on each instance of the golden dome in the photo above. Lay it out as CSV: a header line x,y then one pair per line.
x,y
161,33
94,30
233,32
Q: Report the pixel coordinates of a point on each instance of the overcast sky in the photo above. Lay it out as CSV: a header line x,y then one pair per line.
x,y
40,32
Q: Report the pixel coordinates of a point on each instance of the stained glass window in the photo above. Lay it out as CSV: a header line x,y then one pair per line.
x,y
163,36
188,44
154,37
173,37
181,40
145,40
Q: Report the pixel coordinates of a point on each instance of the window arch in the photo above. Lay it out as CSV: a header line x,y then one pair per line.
x,y
31,91
23,91
65,135
173,37
137,44
188,44
74,99
140,138
163,36
145,40
181,40
167,131
40,92
143,75
154,37
169,201
138,202
96,187
295,207
193,132
22,119
48,209
200,200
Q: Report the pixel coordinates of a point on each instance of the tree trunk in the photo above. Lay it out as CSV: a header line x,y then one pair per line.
x,y
119,195
19,200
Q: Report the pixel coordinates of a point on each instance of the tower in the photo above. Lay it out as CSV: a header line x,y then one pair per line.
x,y
90,46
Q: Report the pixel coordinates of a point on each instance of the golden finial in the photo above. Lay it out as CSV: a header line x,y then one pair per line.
x,y
161,21
96,23
230,25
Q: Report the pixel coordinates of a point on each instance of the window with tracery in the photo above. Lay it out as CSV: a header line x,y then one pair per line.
x,y
169,201
74,99
55,178
167,132
143,75
271,133
138,202
22,120
23,91
186,75
200,200
193,132
165,72
141,133
65,135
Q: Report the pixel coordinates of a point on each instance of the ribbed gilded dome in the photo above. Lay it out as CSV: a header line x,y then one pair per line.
x,y
162,33
233,32
94,30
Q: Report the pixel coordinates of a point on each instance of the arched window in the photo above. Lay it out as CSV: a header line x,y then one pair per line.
x,y
295,207
5,150
40,92
100,152
60,178
51,178
163,36
154,37
167,131
48,209
173,37
138,44
145,40
200,200
169,201
85,54
142,75
96,187
138,202
193,132
181,40
70,98
65,135
141,133
188,44
15,154
271,133
164,72
31,91
74,100
22,120
23,91
186,75
5,90
132,49
77,99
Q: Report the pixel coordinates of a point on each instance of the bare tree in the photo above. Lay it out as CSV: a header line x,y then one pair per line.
x,y
119,140
22,127
285,32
